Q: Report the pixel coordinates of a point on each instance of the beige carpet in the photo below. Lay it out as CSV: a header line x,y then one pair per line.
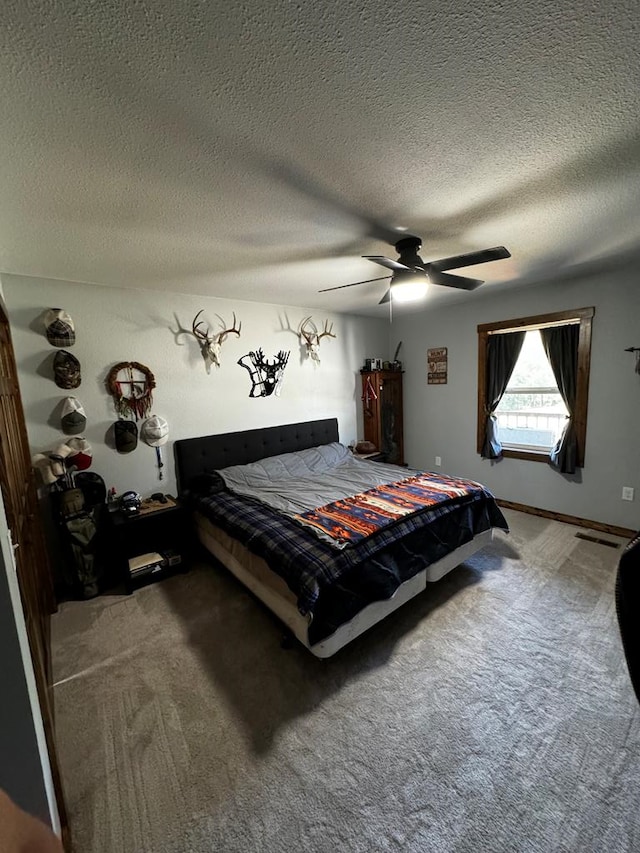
x,y
493,713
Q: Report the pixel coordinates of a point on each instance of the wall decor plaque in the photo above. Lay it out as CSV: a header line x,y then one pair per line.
x,y
437,366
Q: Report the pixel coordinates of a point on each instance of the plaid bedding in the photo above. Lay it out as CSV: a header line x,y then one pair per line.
x,y
306,562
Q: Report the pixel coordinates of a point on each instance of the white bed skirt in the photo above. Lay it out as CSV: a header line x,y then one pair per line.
x,y
282,602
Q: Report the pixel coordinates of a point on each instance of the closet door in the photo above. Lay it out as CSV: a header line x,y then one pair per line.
x,y
23,518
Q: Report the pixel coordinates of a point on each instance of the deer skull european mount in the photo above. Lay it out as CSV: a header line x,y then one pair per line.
x,y
310,337
211,342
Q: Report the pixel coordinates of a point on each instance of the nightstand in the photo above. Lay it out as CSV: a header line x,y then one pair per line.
x,y
158,529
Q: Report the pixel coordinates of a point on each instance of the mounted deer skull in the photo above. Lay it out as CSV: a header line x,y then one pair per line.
x,y
210,343
310,337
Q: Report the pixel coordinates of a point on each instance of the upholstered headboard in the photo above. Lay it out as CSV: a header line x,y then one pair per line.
x,y
195,456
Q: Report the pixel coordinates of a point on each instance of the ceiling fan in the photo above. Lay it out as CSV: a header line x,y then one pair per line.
x,y
411,274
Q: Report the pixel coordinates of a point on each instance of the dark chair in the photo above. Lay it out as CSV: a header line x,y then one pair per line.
x,y
628,608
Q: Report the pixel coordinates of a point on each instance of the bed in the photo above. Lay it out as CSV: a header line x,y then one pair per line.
x,y
329,569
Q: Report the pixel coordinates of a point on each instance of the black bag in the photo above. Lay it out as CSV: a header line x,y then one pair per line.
x,y
93,488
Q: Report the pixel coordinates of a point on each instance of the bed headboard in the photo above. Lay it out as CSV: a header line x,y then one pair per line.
x,y
195,456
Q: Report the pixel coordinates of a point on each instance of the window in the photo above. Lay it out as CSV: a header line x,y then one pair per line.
x,y
530,414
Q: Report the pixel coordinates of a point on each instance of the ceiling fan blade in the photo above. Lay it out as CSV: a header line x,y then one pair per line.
x,y
462,282
471,258
353,283
386,298
386,262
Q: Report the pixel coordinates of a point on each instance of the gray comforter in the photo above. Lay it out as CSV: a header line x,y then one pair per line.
x,y
295,482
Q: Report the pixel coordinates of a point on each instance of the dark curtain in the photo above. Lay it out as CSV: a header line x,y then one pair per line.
x,y
561,346
502,355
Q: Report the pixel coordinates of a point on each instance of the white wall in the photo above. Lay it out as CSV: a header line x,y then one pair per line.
x,y
441,420
115,325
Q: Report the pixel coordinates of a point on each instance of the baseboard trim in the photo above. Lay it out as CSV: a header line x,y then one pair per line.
x,y
626,532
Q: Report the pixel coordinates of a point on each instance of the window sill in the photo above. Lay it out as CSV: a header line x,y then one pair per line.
x,y
529,455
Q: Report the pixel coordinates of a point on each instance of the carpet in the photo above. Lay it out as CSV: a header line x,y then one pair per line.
x,y
492,713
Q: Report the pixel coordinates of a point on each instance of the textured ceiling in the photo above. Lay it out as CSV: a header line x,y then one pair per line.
x,y
251,150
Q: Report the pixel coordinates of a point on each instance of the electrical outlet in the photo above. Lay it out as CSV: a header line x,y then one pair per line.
x,y
627,493
438,460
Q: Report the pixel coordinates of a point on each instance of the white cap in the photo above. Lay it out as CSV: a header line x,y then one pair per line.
x,y
62,450
155,431
42,464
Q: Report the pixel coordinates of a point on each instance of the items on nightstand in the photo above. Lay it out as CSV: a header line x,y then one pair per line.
x,y
153,563
153,542
130,503
363,447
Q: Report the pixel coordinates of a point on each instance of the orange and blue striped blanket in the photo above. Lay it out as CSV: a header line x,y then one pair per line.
x,y
351,519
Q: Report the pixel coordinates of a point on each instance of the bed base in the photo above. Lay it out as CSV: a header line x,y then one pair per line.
x,y
207,453
298,624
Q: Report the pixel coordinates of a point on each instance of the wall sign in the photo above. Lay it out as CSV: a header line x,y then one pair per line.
x,y
437,366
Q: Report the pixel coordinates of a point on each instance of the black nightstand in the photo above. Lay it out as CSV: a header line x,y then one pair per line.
x,y
162,529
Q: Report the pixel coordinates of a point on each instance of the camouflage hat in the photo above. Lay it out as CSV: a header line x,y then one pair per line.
x,y
59,328
66,369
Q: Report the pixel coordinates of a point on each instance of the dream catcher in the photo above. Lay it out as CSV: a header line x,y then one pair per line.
x,y
131,385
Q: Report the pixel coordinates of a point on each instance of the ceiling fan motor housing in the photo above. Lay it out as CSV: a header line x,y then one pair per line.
x,y
408,249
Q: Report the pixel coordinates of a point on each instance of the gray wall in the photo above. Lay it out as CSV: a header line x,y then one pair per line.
x,y
441,420
114,325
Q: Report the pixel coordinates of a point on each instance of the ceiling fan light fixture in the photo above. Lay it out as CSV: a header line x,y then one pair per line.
x,y
409,291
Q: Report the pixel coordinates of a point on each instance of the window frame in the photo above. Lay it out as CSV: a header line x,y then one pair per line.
x,y
581,316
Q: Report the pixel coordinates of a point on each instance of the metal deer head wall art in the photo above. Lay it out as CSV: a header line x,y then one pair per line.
x,y
310,337
266,376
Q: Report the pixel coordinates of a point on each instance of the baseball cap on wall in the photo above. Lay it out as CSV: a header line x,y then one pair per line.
x,y
81,455
66,370
155,431
59,328
73,418
126,436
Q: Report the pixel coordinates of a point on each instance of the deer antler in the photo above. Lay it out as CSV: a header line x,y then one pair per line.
x,y
222,336
326,332
308,336
203,336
